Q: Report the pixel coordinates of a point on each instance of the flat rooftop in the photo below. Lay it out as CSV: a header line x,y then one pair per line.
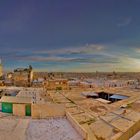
x,y
51,129
107,121
16,128
15,99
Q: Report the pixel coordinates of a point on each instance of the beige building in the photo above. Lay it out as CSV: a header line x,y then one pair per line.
x,y
20,106
23,77
56,84
1,69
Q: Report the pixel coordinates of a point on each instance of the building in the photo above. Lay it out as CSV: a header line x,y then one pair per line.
x,y
20,106
38,82
8,80
23,77
60,84
1,69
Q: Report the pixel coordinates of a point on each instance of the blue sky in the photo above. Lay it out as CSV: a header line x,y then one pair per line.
x,y
70,35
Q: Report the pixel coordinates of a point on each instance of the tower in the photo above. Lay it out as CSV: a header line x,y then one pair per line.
x,y
1,73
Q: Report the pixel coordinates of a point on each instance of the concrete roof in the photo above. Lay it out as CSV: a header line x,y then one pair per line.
x,y
103,100
90,94
104,131
15,99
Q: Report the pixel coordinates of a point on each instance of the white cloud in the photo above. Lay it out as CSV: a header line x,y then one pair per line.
x,y
47,59
124,21
137,50
86,49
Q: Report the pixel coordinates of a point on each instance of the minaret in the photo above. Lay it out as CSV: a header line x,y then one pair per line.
x,y
1,73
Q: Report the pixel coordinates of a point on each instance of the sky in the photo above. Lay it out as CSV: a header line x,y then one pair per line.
x,y
70,35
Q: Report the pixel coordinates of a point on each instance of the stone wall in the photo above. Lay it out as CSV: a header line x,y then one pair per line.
x,y
19,109
47,110
77,126
130,132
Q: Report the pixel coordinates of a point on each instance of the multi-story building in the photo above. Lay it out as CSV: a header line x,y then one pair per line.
x,y
23,76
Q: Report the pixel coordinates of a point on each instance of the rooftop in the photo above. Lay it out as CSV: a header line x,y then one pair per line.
x,y
15,99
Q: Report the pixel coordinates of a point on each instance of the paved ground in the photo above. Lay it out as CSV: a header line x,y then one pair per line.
x,y
51,129
12,128
15,128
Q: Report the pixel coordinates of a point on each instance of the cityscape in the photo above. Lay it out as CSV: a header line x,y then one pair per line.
x,y
69,70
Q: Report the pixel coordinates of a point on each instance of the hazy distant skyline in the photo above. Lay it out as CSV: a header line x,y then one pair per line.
x,y
70,35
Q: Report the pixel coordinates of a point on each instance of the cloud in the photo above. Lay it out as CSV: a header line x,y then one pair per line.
x,y
88,58
137,50
124,21
48,59
58,55
101,59
85,49
88,53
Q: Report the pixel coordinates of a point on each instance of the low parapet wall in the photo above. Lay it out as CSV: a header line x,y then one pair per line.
x,y
42,111
77,126
130,132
